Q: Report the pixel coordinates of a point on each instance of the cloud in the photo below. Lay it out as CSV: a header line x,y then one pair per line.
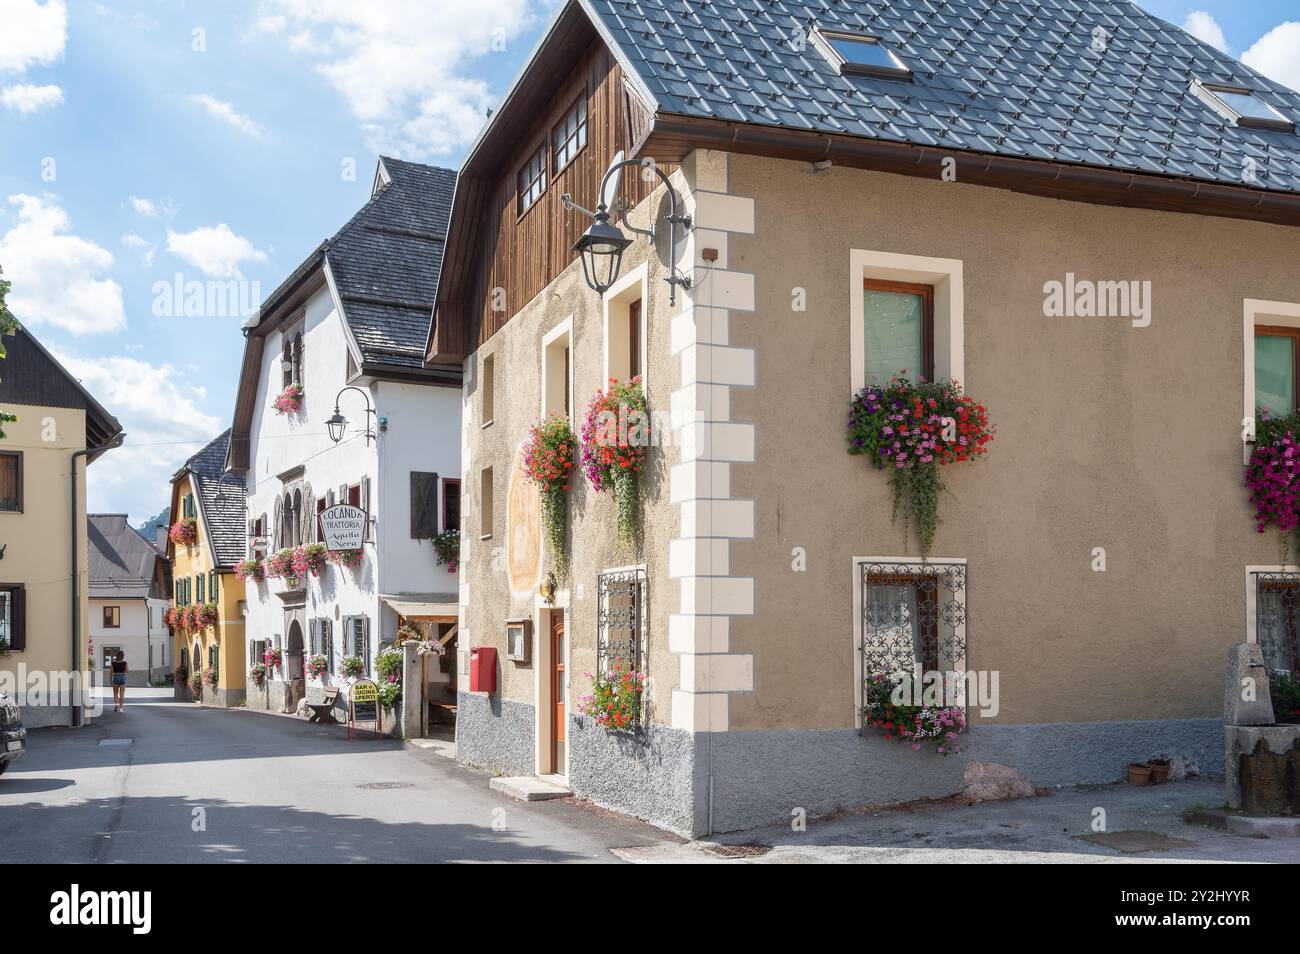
x,y
26,98
33,34
226,113
133,241
400,66
56,276
216,251
164,422
1276,54
144,207
1206,29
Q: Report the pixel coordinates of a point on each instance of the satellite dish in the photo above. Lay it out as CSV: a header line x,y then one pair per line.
x,y
610,195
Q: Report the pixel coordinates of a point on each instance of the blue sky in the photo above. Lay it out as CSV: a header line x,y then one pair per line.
x,y
139,140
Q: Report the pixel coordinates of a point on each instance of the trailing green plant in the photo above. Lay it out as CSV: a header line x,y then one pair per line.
x,y
1273,477
549,455
912,430
390,694
388,663
447,547
616,437
196,685
1285,691
8,328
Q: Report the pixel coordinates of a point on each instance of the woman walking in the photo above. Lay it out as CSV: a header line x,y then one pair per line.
x,y
119,680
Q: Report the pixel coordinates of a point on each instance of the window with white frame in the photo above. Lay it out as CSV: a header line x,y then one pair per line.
x,y
906,315
625,327
911,615
557,370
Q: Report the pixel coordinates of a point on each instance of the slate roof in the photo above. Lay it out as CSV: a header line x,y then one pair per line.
x,y
387,259
1016,78
122,563
224,522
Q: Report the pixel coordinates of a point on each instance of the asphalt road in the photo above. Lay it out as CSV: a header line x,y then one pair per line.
x,y
175,783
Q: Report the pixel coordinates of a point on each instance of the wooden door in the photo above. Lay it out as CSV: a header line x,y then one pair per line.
x,y
558,764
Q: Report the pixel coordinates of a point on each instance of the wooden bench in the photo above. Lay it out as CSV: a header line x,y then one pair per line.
x,y
323,711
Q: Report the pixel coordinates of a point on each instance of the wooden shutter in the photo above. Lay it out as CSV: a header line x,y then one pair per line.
x,y
213,576
365,504
275,527
201,587
17,619
424,505
307,515
327,633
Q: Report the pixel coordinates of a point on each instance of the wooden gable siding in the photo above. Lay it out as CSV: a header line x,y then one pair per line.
x,y
522,255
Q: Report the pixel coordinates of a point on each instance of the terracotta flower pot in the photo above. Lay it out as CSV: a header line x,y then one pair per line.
x,y
1159,770
1139,774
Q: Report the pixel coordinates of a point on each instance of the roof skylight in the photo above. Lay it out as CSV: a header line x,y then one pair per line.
x,y
1241,106
857,53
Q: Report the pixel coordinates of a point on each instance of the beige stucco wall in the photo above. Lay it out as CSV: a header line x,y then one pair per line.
x,y
37,540
486,589
1107,436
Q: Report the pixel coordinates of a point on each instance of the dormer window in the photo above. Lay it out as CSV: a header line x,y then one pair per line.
x,y
854,53
1241,106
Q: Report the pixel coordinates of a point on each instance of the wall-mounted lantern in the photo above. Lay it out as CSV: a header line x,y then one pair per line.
x,y
338,423
601,247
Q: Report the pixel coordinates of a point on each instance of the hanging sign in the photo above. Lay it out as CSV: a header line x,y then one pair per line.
x,y
344,527
363,707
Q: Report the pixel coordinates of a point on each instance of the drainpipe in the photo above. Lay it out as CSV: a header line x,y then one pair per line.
x,y
74,588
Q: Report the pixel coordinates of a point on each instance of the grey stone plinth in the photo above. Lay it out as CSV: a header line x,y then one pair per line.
x,y
528,788
1246,699
412,689
1239,740
1248,826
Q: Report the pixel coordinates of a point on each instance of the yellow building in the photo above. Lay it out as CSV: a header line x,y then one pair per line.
x,y
43,552
206,541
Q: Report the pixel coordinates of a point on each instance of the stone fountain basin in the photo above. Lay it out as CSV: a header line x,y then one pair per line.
x,y
1281,740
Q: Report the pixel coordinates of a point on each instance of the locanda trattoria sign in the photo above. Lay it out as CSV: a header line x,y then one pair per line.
x,y
344,526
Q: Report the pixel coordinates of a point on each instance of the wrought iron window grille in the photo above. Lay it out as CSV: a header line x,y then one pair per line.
x,y
622,617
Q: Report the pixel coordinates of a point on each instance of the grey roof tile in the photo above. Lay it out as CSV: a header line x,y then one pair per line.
x,y
121,563
387,259
1013,77
220,507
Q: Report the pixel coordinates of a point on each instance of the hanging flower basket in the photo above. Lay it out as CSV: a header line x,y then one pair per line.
x,y
912,430
549,456
447,547
257,672
912,725
289,401
615,438
208,615
272,658
1273,476
254,570
308,559
350,667
346,558
184,533
317,666
407,631
193,620
172,619
279,564
615,698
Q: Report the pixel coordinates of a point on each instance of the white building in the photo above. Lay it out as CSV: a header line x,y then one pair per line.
x,y
128,600
347,330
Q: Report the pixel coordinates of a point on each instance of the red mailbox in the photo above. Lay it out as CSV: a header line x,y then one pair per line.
x,y
482,669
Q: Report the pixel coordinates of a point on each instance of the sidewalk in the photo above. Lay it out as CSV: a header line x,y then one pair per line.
x,y
1031,830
